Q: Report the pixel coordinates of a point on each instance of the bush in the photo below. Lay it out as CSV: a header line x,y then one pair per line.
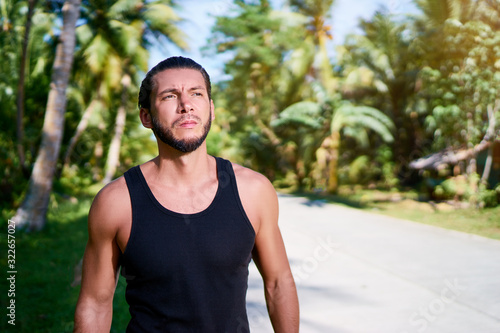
x,y
359,170
455,188
487,198
468,189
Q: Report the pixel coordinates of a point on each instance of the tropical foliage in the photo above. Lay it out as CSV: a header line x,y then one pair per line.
x,y
309,115
110,53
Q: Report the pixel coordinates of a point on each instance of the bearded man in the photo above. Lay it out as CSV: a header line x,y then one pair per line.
x,y
183,227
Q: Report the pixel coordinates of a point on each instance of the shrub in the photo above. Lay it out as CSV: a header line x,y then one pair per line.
x,y
468,189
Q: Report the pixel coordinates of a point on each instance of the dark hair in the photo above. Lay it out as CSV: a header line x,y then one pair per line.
x,y
148,83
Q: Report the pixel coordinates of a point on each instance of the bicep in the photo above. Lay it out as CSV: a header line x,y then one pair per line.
x,y
270,257
101,257
100,270
269,252
260,203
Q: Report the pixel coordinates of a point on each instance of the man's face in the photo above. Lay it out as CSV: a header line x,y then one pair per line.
x,y
181,112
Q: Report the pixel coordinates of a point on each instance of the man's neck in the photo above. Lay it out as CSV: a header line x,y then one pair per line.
x,y
184,169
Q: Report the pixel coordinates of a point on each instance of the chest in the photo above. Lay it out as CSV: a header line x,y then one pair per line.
x,y
163,245
183,200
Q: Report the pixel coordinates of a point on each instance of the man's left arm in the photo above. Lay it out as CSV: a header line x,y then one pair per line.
x,y
270,257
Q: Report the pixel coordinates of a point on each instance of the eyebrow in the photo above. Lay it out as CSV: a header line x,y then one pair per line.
x,y
170,90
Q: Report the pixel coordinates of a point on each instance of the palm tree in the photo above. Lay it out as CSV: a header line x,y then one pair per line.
x,y
436,12
302,126
386,55
114,46
317,13
326,120
148,23
32,212
259,39
114,148
357,119
20,56
20,85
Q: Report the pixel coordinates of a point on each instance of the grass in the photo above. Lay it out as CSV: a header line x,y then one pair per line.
x,y
483,222
45,261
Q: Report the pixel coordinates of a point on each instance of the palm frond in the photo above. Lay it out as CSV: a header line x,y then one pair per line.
x,y
349,109
128,37
359,134
364,116
84,34
304,113
369,122
436,11
96,54
378,115
114,71
122,8
161,18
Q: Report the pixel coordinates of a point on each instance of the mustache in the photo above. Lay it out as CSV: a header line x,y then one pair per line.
x,y
186,117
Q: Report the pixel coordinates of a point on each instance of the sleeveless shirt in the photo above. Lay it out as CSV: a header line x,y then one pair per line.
x,y
187,272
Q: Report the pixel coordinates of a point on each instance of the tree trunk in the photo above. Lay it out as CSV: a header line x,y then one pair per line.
x,y
487,165
333,183
114,149
325,67
82,126
490,133
32,212
20,87
98,153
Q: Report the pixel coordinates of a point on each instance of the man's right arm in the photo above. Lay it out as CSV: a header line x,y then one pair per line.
x,y
94,309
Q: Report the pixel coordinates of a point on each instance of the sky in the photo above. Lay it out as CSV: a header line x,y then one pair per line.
x,y
199,17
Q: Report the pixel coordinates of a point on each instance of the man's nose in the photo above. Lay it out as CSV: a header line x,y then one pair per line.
x,y
185,105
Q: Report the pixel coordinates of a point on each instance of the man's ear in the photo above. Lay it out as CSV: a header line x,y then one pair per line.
x,y
145,116
213,109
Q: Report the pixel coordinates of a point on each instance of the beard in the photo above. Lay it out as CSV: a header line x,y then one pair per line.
x,y
166,135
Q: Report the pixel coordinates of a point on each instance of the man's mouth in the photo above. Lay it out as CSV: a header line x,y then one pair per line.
x,y
186,123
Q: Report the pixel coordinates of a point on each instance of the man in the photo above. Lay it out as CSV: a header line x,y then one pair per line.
x,y
184,226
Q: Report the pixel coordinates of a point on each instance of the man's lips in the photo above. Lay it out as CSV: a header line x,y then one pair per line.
x,y
186,123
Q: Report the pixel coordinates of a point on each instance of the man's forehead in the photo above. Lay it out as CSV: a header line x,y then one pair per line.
x,y
177,77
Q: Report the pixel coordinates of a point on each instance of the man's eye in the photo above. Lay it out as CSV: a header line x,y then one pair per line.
x,y
197,94
168,96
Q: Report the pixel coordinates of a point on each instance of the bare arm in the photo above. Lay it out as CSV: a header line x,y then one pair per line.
x,y
94,308
261,204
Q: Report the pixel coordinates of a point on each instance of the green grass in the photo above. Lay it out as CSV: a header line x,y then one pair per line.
x,y
483,222
45,261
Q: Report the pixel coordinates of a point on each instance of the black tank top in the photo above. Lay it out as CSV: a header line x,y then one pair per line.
x,y
187,272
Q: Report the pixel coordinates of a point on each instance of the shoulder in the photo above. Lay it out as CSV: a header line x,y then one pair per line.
x,y
252,182
111,207
112,194
257,195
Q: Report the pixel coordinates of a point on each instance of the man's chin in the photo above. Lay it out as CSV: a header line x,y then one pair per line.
x,y
183,141
185,145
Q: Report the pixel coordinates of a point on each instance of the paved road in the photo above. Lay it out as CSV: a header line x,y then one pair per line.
x,y
361,272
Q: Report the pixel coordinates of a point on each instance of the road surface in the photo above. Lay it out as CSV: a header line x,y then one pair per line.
x,y
361,272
